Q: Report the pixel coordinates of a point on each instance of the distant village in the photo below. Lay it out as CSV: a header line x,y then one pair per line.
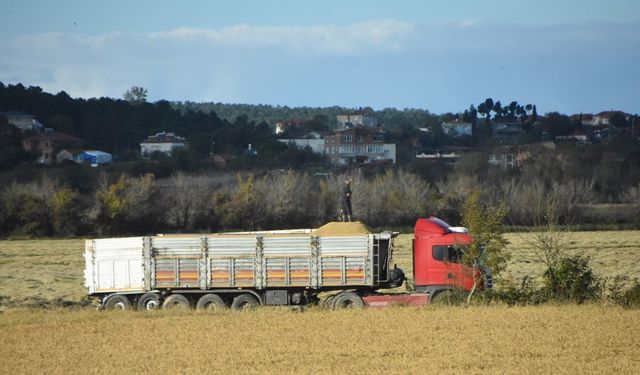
x,y
358,139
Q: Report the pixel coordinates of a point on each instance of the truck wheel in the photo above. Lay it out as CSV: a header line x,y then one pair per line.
x,y
328,302
446,297
210,302
149,302
176,301
348,301
244,302
117,302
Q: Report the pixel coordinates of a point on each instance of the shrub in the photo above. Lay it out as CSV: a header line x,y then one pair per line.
x,y
521,294
27,209
238,206
66,210
631,298
626,298
572,280
130,205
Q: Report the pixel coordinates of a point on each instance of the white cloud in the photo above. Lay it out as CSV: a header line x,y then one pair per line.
x,y
365,37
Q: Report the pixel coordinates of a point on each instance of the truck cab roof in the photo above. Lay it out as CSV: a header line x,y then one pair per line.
x,y
432,227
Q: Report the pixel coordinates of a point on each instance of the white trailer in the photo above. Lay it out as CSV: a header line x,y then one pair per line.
x,y
241,269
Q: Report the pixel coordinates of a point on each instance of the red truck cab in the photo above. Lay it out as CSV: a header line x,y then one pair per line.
x,y
437,257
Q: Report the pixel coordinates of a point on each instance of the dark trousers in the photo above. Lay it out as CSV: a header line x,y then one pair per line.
x,y
346,207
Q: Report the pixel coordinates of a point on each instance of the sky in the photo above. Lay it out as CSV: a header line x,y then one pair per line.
x,y
569,56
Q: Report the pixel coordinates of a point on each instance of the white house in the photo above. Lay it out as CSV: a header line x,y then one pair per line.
x,y
457,128
282,125
507,130
23,121
162,142
359,146
603,118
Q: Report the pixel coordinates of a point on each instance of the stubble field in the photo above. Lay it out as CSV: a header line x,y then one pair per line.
x,y
550,339
490,339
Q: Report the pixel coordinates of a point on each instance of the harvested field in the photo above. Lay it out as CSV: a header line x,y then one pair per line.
x,y
37,272
495,339
549,339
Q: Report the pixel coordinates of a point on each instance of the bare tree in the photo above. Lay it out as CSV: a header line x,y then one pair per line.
x,y
547,237
631,195
288,198
187,198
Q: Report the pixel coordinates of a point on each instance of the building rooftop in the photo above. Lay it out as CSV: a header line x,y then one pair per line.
x,y
610,113
164,137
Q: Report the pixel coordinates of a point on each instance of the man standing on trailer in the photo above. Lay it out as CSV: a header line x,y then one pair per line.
x,y
345,213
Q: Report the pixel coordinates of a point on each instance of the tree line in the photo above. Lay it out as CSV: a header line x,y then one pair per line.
x,y
126,205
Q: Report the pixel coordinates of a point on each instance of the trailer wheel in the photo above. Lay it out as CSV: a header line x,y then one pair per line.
x,y
244,302
348,301
117,302
176,301
149,302
210,302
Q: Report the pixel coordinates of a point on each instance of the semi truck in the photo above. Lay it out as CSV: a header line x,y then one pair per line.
x,y
340,264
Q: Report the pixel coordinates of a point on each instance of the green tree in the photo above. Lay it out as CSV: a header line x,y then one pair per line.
x,y
557,124
485,109
11,151
238,206
135,95
497,108
130,205
66,211
618,120
27,209
488,249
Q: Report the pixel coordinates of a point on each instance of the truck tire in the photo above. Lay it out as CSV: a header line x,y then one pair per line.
x,y
210,302
446,298
328,302
348,301
117,302
244,302
149,302
176,301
